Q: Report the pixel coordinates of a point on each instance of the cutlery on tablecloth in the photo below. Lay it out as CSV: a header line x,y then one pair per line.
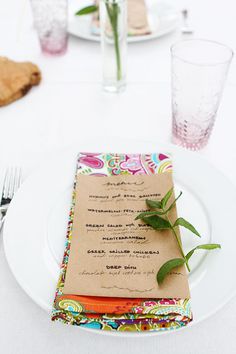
x,y
12,182
186,28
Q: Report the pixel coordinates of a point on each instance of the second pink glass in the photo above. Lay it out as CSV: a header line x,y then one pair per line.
x,y
199,70
50,21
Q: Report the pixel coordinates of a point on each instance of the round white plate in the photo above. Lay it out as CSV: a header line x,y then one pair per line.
x,y
162,18
35,228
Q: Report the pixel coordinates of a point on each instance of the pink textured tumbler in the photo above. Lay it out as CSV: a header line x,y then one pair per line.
x,y
50,21
199,70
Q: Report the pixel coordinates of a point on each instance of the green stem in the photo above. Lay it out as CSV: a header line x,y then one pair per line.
x,y
117,50
178,240
113,17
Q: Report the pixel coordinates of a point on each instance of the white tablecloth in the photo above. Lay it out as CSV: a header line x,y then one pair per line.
x,y
69,105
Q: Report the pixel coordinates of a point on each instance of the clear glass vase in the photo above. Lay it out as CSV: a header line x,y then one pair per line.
x,y
113,23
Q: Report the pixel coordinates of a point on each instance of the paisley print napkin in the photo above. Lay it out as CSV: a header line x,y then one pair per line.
x,y
118,314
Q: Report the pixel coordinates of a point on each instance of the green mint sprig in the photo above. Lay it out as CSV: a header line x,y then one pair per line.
x,y
159,220
87,10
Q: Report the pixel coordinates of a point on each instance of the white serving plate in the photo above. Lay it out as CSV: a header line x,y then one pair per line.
x,y
35,229
162,17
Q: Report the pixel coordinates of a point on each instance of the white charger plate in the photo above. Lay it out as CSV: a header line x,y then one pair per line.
x,y
35,228
162,19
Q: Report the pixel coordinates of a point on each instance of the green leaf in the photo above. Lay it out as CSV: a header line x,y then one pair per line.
x,y
164,200
187,225
149,213
154,204
87,10
167,267
157,223
174,202
207,246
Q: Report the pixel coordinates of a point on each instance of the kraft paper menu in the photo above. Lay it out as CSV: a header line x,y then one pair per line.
x,y
111,253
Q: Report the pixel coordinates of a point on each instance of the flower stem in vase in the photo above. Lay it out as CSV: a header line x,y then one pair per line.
x,y
113,13
113,29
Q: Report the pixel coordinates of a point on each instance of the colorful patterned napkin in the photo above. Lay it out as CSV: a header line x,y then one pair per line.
x,y
118,314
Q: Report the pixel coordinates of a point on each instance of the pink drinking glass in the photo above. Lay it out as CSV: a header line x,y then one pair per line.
x,y
199,71
50,21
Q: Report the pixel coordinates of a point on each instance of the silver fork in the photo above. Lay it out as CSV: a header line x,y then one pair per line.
x,y
12,182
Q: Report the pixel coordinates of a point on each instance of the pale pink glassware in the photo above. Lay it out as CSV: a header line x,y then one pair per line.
x,y
199,71
50,21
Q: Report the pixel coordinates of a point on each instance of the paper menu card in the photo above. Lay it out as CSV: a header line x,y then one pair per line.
x,y
113,255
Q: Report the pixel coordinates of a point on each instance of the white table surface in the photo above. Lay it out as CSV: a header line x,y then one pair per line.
x,y
69,105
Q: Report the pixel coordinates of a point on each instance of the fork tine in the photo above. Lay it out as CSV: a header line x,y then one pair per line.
x,y
20,179
11,183
6,184
17,180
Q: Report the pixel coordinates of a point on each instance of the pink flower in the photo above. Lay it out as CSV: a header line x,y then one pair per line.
x,y
91,161
138,310
167,302
149,303
132,163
